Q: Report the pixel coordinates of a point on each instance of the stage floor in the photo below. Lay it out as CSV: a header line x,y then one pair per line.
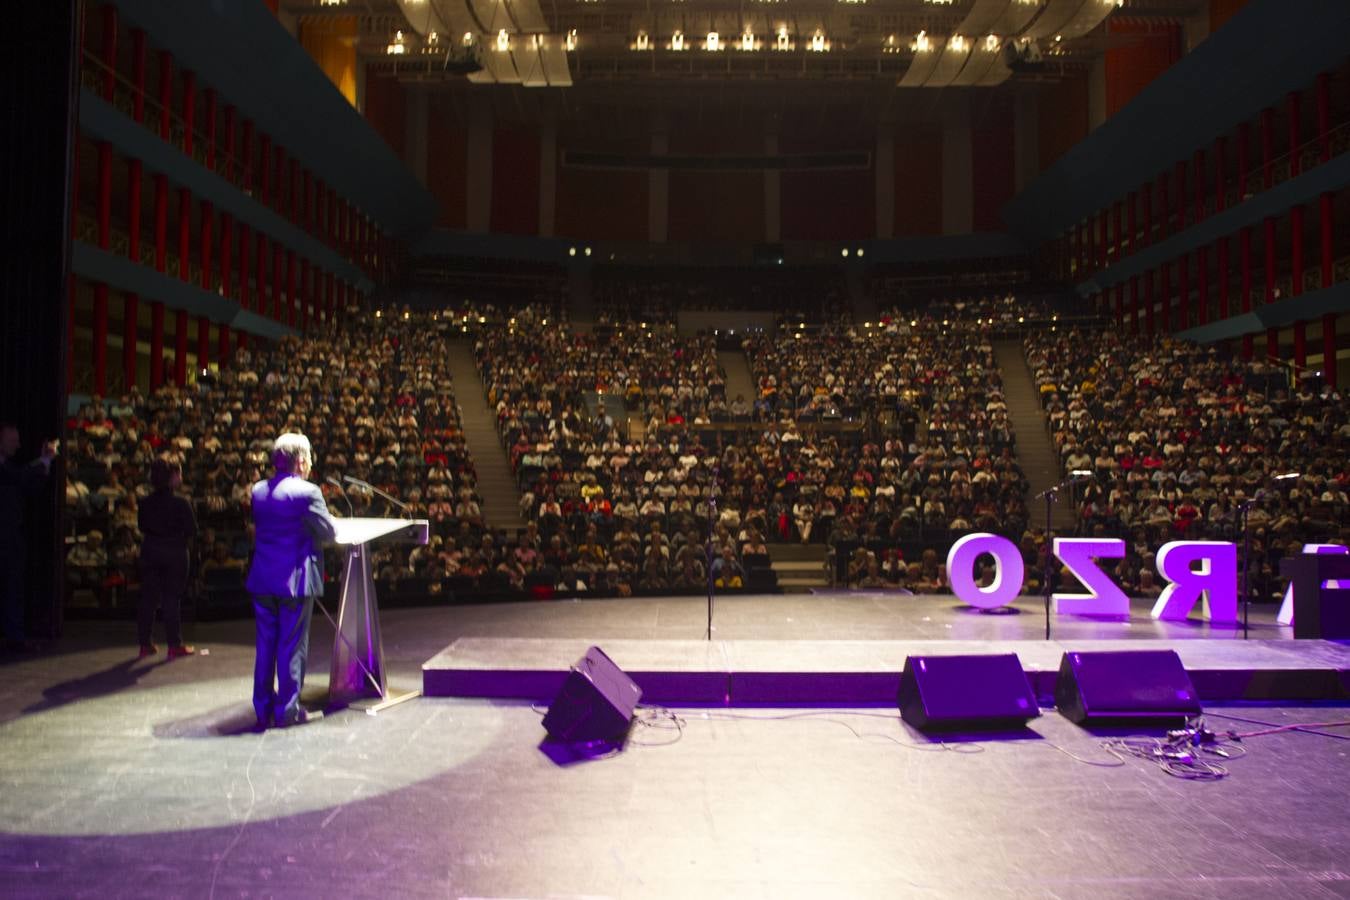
x,y
121,777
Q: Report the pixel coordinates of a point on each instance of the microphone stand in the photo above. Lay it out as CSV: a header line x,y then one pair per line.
x,y
1050,495
712,525
337,484
403,507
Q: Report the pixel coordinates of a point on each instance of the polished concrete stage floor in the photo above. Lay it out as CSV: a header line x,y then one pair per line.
x,y
128,778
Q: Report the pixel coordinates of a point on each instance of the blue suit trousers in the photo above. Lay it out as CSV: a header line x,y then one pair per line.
x,y
283,648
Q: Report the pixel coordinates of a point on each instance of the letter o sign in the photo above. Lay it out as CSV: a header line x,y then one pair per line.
x,y
1007,566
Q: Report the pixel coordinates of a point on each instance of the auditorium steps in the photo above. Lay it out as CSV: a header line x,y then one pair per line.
x,y
496,482
736,369
1035,452
800,568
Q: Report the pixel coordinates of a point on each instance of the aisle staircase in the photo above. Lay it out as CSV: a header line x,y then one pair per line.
x,y
496,482
1035,452
739,379
800,568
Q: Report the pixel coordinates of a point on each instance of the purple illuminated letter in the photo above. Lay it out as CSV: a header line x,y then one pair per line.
x,y
1007,568
1214,580
1286,616
1104,597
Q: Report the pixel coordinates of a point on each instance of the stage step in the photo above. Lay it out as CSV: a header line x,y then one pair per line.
x,y
859,672
800,567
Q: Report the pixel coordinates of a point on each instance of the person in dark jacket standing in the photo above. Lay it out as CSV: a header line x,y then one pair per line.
x,y
167,526
291,524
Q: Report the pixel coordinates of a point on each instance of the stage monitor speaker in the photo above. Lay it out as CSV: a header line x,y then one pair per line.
x,y
1125,686
966,693
595,703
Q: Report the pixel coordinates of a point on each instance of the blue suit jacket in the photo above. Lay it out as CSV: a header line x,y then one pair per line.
x,y
292,524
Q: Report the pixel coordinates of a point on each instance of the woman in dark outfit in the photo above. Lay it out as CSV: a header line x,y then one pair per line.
x,y
167,525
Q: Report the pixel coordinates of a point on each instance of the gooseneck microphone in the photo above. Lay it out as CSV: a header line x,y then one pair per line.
x,y
379,493
351,513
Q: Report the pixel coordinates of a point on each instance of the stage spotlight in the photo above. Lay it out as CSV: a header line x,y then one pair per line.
x,y
571,251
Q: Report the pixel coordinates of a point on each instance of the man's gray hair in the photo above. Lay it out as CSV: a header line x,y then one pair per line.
x,y
289,449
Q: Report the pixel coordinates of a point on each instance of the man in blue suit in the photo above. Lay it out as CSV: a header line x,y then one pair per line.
x,y
291,523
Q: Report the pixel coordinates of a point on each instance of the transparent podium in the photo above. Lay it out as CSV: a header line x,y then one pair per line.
x,y
358,650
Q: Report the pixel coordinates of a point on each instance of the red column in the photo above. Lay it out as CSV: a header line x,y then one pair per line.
x,y
1245,283
209,96
265,170
180,347
1220,164
245,247
1134,304
1149,315
1101,240
327,297
1183,291
135,172
104,213
184,234
1202,253
1221,264
156,345
291,299
203,342
1164,206
226,251
1131,219
306,293
227,166
294,211
1181,196
246,156
1165,295
330,217
189,112
1146,238
161,265
109,55
278,178
1329,374
1296,234
130,301
260,275
204,250
138,74
1268,225
165,94
1329,349
1272,334
1120,305
278,274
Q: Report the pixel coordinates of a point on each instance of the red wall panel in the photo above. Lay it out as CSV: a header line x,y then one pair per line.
x,y
918,181
716,206
993,178
385,109
1063,118
515,181
827,205
1148,49
602,204
446,145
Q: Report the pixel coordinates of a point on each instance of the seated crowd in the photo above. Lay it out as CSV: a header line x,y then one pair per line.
x,y
938,462
1179,436
376,401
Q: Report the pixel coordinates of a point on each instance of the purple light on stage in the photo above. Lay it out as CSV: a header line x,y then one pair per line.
x,y
1203,571
1008,570
1104,597
1286,616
